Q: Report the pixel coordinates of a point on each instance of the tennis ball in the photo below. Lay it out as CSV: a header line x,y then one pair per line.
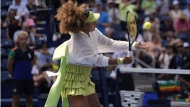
x,y
147,25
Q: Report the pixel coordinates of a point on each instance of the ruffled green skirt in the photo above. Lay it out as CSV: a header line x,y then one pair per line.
x,y
77,81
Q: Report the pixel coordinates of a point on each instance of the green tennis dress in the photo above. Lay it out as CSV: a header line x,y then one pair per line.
x,y
71,79
77,81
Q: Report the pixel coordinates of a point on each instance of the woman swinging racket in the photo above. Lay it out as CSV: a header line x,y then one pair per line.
x,y
79,54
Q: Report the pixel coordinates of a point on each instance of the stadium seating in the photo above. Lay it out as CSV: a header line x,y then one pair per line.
x,y
3,53
4,64
3,14
7,91
8,50
5,4
3,33
5,76
5,43
6,85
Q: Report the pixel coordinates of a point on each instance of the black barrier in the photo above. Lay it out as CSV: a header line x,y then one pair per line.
x,y
103,86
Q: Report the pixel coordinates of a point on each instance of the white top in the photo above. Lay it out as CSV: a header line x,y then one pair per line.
x,y
175,15
84,50
23,2
21,9
166,61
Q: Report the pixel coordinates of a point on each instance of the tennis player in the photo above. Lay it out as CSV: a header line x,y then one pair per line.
x,y
79,54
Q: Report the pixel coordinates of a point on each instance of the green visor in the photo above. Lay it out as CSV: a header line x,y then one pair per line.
x,y
92,17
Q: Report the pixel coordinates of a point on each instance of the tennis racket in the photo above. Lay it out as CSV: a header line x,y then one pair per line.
x,y
132,28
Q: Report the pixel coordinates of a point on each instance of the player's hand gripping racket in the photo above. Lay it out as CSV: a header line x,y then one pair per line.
x,y
132,28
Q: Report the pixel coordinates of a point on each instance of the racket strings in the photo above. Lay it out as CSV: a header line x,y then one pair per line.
x,y
131,25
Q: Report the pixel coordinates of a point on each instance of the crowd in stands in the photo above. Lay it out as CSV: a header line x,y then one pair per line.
x,y
168,35
17,16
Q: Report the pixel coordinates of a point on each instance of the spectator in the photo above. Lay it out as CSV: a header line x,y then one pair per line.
x,y
175,12
164,60
103,20
182,27
124,6
10,17
155,26
28,28
173,42
23,2
91,5
171,38
42,76
166,29
31,9
35,68
44,55
186,46
187,10
22,11
20,62
12,28
166,56
148,6
181,60
163,7
113,14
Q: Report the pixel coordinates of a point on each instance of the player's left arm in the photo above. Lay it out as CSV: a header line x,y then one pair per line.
x,y
10,62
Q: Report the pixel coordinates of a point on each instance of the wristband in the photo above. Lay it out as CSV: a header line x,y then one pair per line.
x,y
120,61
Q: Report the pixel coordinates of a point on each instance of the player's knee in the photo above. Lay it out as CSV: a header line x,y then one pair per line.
x,y
15,101
29,101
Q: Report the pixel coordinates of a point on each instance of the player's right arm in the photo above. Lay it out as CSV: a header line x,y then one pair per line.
x,y
10,62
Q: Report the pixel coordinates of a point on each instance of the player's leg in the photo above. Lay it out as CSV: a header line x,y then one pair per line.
x,y
93,100
29,102
16,99
29,90
17,91
78,101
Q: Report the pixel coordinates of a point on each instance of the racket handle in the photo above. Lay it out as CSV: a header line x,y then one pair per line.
x,y
128,54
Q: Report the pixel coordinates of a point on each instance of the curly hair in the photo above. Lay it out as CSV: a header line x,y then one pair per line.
x,y
71,17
